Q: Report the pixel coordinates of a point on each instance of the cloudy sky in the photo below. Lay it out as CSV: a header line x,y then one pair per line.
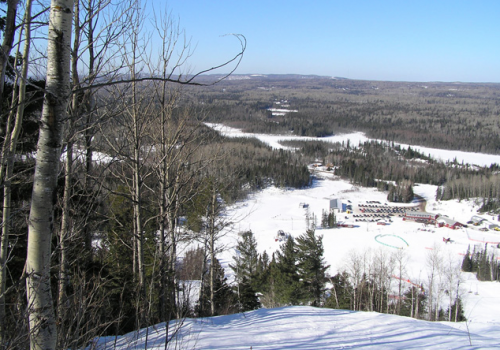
x,y
425,40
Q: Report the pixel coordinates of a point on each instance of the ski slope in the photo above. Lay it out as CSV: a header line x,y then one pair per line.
x,y
307,328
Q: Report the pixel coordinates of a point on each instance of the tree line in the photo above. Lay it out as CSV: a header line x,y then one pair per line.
x,y
91,241
374,280
396,169
459,116
482,263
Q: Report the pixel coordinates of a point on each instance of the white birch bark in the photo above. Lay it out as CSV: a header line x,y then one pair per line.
x,y
41,220
8,152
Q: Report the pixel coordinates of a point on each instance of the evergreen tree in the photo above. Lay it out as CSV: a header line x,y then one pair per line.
x,y
324,219
260,281
401,193
460,316
414,302
467,261
311,266
224,298
246,259
284,283
247,296
340,293
332,220
245,267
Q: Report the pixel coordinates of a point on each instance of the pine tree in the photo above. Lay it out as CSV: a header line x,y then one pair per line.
x,y
332,220
467,261
413,303
311,266
284,281
260,280
247,296
460,316
324,219
246,268
224,298
340,293
246,259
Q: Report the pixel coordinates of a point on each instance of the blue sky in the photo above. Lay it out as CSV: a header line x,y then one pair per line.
x,y
402,40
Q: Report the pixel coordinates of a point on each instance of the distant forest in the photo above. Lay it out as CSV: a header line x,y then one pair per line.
x,y
459,116
456,116
388,166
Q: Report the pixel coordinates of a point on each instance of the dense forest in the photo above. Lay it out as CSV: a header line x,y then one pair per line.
x,y
459,116
388,166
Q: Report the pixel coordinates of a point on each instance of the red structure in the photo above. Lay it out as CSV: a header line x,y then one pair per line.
x,y
419,216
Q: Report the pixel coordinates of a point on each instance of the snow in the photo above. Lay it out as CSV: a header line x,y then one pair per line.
x,y
308,328
356,138
303,327
80,153
273,140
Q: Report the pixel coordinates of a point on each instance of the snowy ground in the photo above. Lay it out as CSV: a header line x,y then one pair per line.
x,y
308,328
274,209
356,138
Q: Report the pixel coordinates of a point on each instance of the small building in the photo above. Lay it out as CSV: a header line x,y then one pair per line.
x,y
420,216
444,221
335,205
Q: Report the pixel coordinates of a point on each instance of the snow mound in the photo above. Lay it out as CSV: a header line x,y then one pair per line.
x,y
308,328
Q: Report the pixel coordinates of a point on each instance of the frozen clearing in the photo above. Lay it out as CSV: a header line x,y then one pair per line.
x,y
356,138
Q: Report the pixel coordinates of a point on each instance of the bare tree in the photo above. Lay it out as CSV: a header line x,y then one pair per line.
x,y
433,263
400,261
452,269
13,129
43,332
7,44
42,224
355,266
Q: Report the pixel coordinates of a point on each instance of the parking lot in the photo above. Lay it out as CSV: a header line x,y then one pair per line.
x,y
374,211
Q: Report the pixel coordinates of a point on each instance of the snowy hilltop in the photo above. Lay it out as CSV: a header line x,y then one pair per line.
x,y
309,328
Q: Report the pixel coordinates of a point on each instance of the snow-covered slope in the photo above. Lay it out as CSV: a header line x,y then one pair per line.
x,y
308,328
312,328
275,209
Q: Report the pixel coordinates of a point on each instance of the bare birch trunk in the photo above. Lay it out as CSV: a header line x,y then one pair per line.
x,y
163,213
456,301
171,202
43,332
412,301
68,173
8,152
212,250
416,306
